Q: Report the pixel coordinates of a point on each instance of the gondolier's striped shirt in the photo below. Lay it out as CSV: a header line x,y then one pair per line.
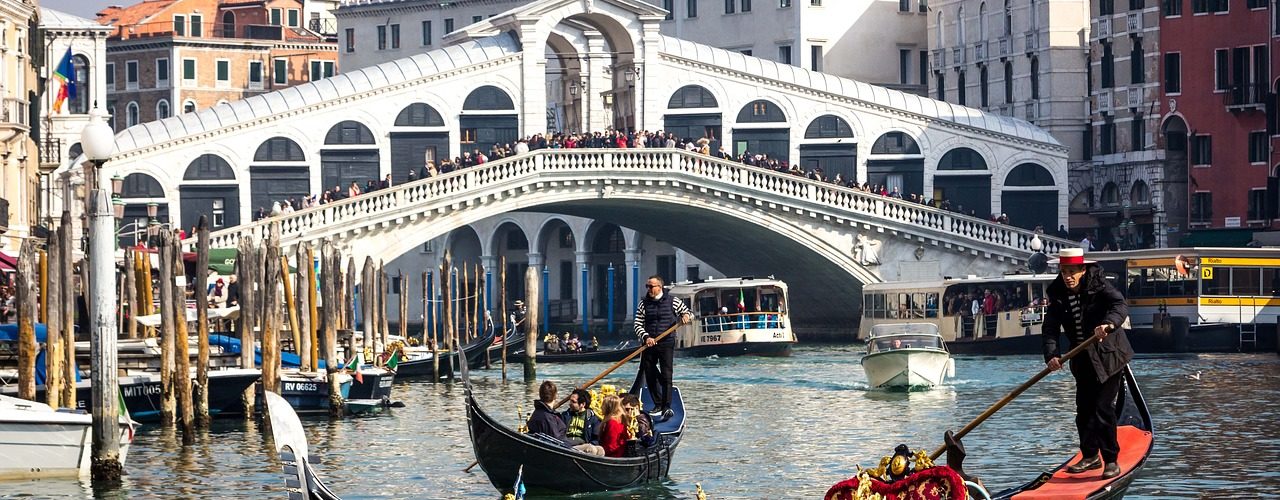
x,y
678,306
1077,314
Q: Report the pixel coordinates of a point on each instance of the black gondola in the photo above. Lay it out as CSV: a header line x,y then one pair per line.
x,y
286,430
598,356
476,349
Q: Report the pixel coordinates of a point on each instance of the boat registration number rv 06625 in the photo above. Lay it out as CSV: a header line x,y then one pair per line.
x,y
709,338
300,387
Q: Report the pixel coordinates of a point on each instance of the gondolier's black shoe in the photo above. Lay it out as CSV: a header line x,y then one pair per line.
x,y
1111,470
1085,464
667,414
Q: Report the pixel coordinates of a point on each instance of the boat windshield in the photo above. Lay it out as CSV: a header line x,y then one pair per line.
x,y
907,342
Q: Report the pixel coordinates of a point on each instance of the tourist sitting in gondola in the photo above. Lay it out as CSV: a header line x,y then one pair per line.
x,y
582,424
547,422
613,435
550,343
638,424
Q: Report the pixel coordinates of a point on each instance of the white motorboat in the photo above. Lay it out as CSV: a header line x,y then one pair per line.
x,y
906,355
37,441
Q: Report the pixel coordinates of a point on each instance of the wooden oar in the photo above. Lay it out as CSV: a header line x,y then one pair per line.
x,y
1013,395
603,374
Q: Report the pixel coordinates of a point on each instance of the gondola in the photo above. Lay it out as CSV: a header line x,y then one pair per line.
x,y
286,430
553,467
598,356
1134,431
476,349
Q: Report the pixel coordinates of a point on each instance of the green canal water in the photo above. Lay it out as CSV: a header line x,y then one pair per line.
x,y
758,428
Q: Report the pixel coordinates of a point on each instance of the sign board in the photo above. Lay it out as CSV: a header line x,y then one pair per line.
x,y
1206,273
1231,222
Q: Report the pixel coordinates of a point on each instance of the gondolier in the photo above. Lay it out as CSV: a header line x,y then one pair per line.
x,y
1083,304
656,313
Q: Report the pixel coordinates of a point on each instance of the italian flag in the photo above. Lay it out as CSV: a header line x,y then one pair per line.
x,y
394,360
354,366
742,301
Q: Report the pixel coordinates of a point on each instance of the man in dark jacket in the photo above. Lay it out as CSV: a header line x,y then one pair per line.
x,y
657,313
1083,304
544,420
582,424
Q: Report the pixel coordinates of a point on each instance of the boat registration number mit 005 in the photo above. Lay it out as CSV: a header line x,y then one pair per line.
x,y
709,338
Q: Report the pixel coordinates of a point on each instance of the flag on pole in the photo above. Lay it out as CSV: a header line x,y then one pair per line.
x,y
519,487
66,73
354,366
742,301
124,409
394,360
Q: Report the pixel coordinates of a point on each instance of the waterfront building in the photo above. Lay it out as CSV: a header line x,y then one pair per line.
x,y
19,153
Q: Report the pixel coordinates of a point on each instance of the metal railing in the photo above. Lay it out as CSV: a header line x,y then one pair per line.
x,y
1246,95
742,321
792,194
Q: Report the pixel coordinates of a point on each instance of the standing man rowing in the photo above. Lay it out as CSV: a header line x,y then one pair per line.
x,y
656,313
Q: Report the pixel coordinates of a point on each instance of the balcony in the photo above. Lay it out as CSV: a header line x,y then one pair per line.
x,y
1104,100
1104,27
980,51
50,152
323,26
1031,41
937,58
1244,97
1006,46
1133,22
14,114
1134,99
1031,112
957,56
4,215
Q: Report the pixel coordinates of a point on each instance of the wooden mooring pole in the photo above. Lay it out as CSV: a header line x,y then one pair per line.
x,y
181,352
246,265
170,311
531,319
27,316
202,323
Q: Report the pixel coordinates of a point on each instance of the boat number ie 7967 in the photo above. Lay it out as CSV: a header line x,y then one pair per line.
x,y
709,338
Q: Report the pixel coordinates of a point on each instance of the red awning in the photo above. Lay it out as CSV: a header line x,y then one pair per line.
x,y
8,263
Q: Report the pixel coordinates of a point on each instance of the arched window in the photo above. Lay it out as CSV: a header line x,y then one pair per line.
x,y
162,109
1110,194
111,116
131,114
138,185
279,149
962,159
349,132
895,143
189,106
761,111
419,115
1029,174
208,167
80,104
692,96
228,25
828,127
982,21
1140,194
488,98
1035,77
960,26
941,31
1008,82
1008,19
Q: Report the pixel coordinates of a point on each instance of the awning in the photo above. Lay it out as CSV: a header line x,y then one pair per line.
x,y
1218,238
8,263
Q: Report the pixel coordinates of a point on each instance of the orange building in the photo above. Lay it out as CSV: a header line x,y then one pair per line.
x,y
176,56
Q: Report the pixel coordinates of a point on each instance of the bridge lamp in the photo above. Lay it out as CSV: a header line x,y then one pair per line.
x,y
1036,244
632,74
574,89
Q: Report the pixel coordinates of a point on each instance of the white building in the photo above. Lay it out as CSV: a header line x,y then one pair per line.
x,y
1022,58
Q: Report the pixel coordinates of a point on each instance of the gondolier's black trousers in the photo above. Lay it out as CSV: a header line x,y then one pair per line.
x,y
656,363
1096,411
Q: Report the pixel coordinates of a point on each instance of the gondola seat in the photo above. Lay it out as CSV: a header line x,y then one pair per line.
x,y
1134,445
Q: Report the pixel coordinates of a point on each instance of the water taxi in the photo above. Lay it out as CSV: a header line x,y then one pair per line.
x,y
905,356
735,316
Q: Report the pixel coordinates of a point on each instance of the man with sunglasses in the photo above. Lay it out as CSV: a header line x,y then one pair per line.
x,y
656,313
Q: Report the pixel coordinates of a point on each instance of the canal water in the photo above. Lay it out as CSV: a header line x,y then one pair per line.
x,y
758,428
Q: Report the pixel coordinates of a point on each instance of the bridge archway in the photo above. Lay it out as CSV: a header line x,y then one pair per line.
x,y
694,112
607,248
279,173
488,118
350,155
509,241
963,178
419,136
761,128
1029,187
555,244
896,162
829,145
139,191
209,188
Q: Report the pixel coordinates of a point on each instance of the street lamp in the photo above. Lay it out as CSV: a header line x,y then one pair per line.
x,y
98,142
631,75
574,89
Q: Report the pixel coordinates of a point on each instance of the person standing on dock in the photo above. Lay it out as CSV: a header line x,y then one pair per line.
x,y
656,313
1083,304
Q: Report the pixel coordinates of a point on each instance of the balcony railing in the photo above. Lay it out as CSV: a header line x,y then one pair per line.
x,y
1134,99
957,56
1245,96
1006,45
980,51
1133,21
51,151
1104,27
324,26
1031,41
936,58
15,113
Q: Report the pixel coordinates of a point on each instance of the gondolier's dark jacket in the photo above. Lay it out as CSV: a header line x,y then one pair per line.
x,y
654,316
1101,303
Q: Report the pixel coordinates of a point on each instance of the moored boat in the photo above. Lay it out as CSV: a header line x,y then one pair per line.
x,y
906,355
143,394
308,392
609,355
37,441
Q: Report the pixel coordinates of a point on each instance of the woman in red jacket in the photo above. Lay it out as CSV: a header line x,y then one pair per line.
x,y
613,436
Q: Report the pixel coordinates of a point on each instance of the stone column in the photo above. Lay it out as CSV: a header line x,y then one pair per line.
x,y
491,271
582,259
595,65
533,111
634,278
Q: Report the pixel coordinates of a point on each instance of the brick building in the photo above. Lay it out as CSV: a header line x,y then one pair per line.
x,y
175,56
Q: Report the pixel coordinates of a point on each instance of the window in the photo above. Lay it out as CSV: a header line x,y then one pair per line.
x,y
395,36
815,57
745,52
1138,133
904,66
476,19
1107,136
1008,17
1220,70
1201,150
131,114
983,86
924,6
815,3
924,67
223,67
162,109
782,4
1108,66
1137,66
942,85
1257,204
189,106
1258,146
1201,207
162,72
1172,8
1257,4
960,89
315,70
1008,82
1035,77
275,17
188,71
382,37
960,39
255,75
1105,7
280,72
692,7
197,24
328,69
219,212
351,39
904,5
746,6
1136,5
131,75
293,18
426,32
730,6
111,76
448,25
784,54
111,114
1219,5
669,6
1173,73
179,25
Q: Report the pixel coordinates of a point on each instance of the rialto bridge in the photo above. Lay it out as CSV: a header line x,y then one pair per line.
x,y
514,75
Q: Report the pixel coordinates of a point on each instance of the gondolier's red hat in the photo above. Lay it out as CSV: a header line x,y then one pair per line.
x,y
1071,256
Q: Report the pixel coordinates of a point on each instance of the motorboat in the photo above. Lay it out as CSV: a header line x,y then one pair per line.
x,y
38,441
906,355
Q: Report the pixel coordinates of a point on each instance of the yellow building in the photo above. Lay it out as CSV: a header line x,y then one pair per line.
x,y
19,193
